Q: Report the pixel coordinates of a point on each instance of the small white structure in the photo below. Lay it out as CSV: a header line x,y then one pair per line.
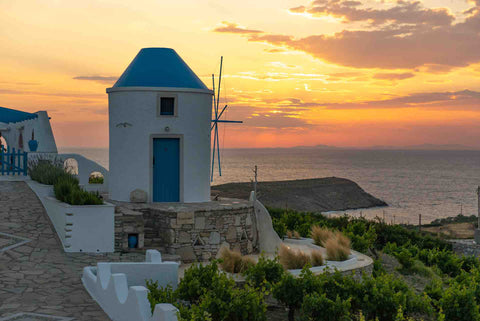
x,y
119,288
19,129
160,116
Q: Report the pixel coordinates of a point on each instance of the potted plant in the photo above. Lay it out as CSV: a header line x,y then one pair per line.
x,y
33,144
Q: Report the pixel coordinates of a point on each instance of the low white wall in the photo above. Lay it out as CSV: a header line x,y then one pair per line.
x,y
82,228
119,288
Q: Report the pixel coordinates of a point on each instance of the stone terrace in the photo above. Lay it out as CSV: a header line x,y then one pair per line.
x,y
37,276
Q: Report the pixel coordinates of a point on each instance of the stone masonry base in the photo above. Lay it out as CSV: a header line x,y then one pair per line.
x,y
194,231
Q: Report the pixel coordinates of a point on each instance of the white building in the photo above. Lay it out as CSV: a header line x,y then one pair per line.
x,y
160,118
29,132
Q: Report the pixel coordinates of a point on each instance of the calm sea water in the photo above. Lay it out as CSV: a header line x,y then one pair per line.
x,y
432,183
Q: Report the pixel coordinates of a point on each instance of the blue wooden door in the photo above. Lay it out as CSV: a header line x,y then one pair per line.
x,y
166,170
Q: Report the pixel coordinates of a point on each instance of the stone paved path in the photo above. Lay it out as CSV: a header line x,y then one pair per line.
x,y
38,276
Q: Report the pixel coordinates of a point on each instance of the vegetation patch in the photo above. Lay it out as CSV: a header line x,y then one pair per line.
x,y
65,185
234,262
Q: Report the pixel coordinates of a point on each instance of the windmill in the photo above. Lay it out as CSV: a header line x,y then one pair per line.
x,y
216,141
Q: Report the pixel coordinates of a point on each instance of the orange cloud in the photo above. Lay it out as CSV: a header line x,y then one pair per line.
x,y
414,37
231,27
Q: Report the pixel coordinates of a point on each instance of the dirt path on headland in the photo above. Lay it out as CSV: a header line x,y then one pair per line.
x,y
313,195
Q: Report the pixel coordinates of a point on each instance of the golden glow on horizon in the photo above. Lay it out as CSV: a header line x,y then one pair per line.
x,y
60,56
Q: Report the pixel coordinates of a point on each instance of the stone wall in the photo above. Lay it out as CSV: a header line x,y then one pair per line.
x,y
465,247
194,232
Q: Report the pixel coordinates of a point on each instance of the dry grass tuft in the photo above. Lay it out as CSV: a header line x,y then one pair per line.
x,y
335,250
316,258
296,235
234,262
342,239
292,259
320,235
289,234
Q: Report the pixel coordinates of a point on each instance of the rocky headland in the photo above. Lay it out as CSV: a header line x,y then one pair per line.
x,y
312,195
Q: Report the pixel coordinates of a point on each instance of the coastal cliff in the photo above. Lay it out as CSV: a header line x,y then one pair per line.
x,y
312,195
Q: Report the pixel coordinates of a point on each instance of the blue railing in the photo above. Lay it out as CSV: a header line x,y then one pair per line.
x,y
13,161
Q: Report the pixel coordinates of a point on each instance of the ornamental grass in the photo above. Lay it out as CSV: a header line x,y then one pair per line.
x,y
234,262
336,249
320,235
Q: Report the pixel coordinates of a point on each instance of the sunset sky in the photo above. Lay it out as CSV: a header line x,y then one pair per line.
x,y
297,72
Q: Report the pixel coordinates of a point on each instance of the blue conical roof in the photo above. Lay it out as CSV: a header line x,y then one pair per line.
x,y
159,67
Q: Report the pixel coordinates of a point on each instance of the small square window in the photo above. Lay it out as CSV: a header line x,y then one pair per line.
x,y
167,106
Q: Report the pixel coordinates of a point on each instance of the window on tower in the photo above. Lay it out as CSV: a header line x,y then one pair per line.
x,y
167,106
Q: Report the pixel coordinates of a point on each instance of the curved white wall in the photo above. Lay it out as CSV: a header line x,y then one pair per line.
x,y
131,151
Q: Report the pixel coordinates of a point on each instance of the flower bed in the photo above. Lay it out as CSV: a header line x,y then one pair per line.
x,y
83,222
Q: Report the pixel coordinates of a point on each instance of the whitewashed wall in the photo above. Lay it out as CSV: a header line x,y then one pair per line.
x,y
41,127
131,148
84,228
119,288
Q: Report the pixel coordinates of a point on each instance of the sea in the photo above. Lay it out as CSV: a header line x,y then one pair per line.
x,y
435,184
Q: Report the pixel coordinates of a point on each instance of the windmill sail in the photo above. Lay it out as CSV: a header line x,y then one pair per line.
x,y
216,141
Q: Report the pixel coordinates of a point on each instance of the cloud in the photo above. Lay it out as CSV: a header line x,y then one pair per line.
x,y
393,76
409,12
101,79
55,94
459,100
278,121
230,27
406,36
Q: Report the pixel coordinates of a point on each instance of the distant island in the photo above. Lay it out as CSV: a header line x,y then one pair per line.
x,y
388,147
312,195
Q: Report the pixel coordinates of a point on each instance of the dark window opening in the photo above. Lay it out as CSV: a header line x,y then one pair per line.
x,y
167,106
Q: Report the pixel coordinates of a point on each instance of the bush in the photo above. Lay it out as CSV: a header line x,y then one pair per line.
x,y
95,179
336,251
158,294
64,186
207,294
279,227
45,171
320,235
363,237
317,307
197,280
234,262
289,291
316,258
458,304
292,259
266,272
383,296
405,258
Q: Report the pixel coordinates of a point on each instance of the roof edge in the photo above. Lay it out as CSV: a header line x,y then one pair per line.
x,y
172,89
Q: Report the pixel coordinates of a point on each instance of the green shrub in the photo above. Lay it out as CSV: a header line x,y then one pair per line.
x,y
197,280
458,304
406,259
95,180
45,171
362,236
64,186
158,294
434,289
266,272
279,227
289,291
317,307
383,296
378,268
